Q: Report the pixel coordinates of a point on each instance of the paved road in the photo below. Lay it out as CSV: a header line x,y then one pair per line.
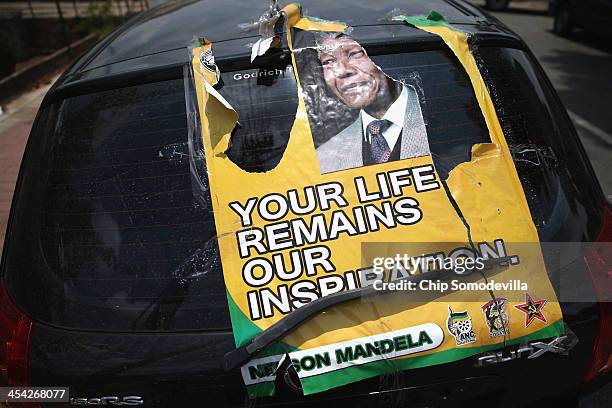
x,y
581,70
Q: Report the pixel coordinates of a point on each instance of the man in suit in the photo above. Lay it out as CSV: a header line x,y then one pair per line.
x,y
390,125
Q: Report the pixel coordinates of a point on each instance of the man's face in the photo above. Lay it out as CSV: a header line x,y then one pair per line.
x,y
350,74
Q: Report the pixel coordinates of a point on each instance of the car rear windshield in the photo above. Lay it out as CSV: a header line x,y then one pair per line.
x,y
112,226
564,197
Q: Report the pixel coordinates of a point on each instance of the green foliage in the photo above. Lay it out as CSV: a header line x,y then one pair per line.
x,y
99,18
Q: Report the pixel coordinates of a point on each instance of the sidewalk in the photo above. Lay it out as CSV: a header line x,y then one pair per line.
x,y
15,124
70,9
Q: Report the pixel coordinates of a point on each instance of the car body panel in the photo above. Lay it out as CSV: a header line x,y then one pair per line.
x,y
174,24
179,369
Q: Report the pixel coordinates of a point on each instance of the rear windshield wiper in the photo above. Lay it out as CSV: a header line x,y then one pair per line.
x,y
243,354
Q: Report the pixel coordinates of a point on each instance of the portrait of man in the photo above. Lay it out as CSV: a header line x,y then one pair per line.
x,y
389,124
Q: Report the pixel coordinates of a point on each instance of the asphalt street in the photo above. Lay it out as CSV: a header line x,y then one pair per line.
x,y
580,67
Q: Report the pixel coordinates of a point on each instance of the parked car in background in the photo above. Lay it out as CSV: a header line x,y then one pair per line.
x,y
111,279
498,5
593,16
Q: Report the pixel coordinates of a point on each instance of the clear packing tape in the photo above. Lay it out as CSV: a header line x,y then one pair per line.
x,y
297,233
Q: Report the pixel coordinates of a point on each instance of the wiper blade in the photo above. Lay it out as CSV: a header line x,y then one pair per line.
x,y
243,354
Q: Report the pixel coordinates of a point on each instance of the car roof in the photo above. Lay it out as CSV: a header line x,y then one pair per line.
x,y
156,40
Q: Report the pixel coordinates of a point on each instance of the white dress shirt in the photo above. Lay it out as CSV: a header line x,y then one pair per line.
x,y
395,114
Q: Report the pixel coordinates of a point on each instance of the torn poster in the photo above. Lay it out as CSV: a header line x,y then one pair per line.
x,y
340,204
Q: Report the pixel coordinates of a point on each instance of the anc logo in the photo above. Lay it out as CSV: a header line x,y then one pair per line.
x,y
460,326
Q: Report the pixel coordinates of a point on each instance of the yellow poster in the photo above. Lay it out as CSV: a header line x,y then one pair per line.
x,y
364,207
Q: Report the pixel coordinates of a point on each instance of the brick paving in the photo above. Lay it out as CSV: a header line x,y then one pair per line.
x,y
15,124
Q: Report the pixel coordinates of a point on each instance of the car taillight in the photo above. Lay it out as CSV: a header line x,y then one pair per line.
x,y
15,333
599,264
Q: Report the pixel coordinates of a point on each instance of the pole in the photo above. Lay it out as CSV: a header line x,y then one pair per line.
x,y
120,9
64,28
31,8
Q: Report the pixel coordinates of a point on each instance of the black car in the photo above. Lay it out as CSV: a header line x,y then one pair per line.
x,y
594,16
111,276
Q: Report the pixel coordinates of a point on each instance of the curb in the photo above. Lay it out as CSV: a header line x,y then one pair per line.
x,y
27,77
